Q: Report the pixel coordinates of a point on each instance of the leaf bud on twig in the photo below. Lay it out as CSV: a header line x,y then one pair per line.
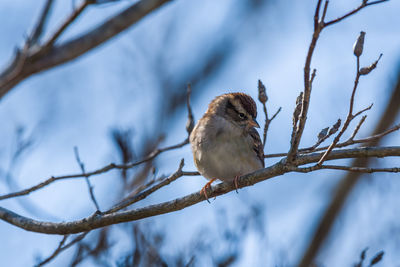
x,y
262,94
359,45
366,70
323,133
335,127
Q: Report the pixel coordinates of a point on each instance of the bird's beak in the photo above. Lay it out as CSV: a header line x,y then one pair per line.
x,y
253,123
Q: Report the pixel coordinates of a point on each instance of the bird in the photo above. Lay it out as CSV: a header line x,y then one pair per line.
x,y
224,142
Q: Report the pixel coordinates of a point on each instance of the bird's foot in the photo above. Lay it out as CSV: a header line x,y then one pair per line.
x,y
204,189
235,181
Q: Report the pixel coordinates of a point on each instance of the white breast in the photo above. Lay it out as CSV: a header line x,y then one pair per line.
x,y
223,154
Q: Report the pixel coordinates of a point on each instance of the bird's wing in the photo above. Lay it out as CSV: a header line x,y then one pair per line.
x,y
258,146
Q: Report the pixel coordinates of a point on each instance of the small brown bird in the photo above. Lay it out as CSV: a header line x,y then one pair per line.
x,y
224,143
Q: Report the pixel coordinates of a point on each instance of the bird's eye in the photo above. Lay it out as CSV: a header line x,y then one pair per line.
x,y
242,116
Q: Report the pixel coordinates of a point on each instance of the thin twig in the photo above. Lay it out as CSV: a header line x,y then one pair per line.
x,y
319,25
272,118
350,115
55,253
102,170
348,142
67,23
295,119
266,124
316,14
343,168
354,11
41,24
89,185
157,180
324,12
362,111
43,59
360,169
190,121
358,127
347,183
298,128
332,131
61,247
263,98
101,220
110,166
321,139
142,195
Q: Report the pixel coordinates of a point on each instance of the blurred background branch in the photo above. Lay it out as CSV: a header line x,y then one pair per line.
x,y
349,181
126,103
31,60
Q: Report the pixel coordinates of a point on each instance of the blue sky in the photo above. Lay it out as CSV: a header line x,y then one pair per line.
x,y
116,85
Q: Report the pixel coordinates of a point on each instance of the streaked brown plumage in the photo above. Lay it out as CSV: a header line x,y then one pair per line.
x,y
224,142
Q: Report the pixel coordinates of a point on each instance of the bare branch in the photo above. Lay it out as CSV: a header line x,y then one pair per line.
x,y
360,152
358,47
67,23
349,142
346,185
319,25
89,185
98,220
362,111
111,166
41,24
61,247
55,253
272,155
324,12
276,113
107,168
124,203
344,168
295,118
367,70
316,15
190,122
305,101
322,136
69,50
360,169
268,122
137,197
354,11
358,127
263,98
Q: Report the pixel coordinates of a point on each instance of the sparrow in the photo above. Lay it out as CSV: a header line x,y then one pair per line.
x,y
224,142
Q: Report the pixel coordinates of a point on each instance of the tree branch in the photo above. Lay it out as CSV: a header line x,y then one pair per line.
x,y
75,14
358,47
346,143
41,24
319,25
354,11
43,59
97,220
62,246
344,168
142,195
346,185
104,169
89,185
298,128
263,98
